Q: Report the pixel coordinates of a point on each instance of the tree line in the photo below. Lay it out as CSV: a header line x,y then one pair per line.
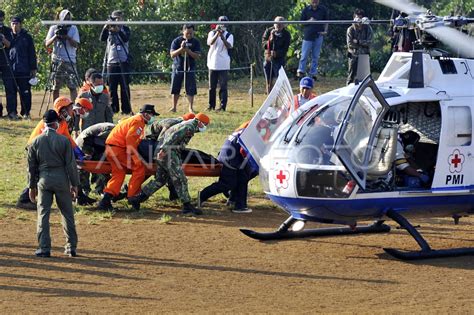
x,y
149,45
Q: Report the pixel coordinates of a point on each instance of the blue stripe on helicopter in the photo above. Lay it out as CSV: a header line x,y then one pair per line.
x,y
322,210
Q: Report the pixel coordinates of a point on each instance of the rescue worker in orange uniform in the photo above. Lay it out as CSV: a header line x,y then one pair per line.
x,y
63,106
121,151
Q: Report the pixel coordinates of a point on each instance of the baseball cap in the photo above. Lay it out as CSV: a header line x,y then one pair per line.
x,y
50,116
16,19
223,18
148,108
306,82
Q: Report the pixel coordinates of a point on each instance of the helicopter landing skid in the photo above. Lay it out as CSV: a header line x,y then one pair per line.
x,y
426,252
285,233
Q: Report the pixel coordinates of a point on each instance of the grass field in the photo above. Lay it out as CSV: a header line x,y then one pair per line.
x,y
158,261
14,134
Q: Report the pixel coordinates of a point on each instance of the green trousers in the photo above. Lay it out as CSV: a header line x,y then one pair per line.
x,y
49,185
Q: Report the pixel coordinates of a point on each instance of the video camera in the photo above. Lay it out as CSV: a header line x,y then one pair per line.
x,y
62,30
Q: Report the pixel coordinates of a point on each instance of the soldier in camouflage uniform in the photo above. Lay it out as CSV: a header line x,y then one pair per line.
x,y
169,164
156,133
52,172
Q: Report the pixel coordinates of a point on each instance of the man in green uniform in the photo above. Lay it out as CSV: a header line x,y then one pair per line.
x,y
169,164
52,171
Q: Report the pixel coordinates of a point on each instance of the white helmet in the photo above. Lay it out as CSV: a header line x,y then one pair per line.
x,y
270,114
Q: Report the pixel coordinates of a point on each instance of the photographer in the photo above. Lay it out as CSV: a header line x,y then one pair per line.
x,y
5,39
118,61
65,40
185,49
358,38
275,42
218,62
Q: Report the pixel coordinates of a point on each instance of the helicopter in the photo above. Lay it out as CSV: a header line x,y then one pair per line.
x,y
332,160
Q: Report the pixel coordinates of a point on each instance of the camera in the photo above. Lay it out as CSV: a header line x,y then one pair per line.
x,y
219,28
62,30
188,44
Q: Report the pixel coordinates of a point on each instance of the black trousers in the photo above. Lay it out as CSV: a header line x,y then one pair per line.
x,y
229,180
17,84
221,77
118,75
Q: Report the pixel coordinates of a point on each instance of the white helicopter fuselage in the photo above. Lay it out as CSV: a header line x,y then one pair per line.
x,y
434,97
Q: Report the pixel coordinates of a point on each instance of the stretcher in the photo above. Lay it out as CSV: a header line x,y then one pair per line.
x,y
195,163
203,170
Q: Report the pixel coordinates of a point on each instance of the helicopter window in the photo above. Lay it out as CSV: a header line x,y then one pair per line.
x,y
322,183
460,126
395,64
447,66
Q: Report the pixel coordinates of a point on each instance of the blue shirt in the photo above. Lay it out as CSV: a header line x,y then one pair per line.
x,y
178,61
311,31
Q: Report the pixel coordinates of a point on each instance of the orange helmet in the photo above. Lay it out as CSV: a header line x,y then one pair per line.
x,y
85,103
203,118
60,103
188,116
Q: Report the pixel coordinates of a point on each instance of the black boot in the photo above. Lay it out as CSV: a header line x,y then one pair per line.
x,y
188,208
173,194
136,200
83,199
106,202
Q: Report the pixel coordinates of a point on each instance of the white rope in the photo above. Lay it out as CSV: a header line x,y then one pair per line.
x,y
46,22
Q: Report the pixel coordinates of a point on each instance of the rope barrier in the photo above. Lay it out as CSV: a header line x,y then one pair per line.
x,y
180,71
343,22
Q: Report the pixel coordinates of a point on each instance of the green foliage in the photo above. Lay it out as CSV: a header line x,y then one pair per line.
x,y
150,44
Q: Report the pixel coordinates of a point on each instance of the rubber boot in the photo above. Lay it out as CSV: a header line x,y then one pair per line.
x,y
106,202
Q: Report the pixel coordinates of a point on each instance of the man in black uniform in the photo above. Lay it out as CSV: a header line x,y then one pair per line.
x,y
52,171
5,39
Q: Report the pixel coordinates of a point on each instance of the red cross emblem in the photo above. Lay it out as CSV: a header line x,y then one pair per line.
x,y
281,179
455,160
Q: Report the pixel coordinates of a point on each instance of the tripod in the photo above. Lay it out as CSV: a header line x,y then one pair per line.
x,y
53,68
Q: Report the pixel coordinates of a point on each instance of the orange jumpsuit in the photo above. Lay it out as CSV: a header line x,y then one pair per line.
x,y
121,151
62,130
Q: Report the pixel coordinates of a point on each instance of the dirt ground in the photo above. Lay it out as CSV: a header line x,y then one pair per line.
x,y
130,262
133,263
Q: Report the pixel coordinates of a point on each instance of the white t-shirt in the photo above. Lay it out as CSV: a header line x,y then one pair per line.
x,y
218,57
59,51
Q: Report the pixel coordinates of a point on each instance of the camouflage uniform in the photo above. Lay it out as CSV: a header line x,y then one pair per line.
x,y
53,170
169,164
158,128
89,140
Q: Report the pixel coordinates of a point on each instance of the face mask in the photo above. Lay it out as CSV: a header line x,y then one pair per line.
x,y
151,120
85,115
203,128
98,89
66,116
263,132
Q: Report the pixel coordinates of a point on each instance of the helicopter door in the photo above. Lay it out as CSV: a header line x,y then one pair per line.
x,y
265,125
359,129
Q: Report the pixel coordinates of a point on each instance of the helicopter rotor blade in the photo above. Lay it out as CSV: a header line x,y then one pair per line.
x,y
403,5
459,42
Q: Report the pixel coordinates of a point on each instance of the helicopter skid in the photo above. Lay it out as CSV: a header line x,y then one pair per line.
x,y
288,234
426,252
